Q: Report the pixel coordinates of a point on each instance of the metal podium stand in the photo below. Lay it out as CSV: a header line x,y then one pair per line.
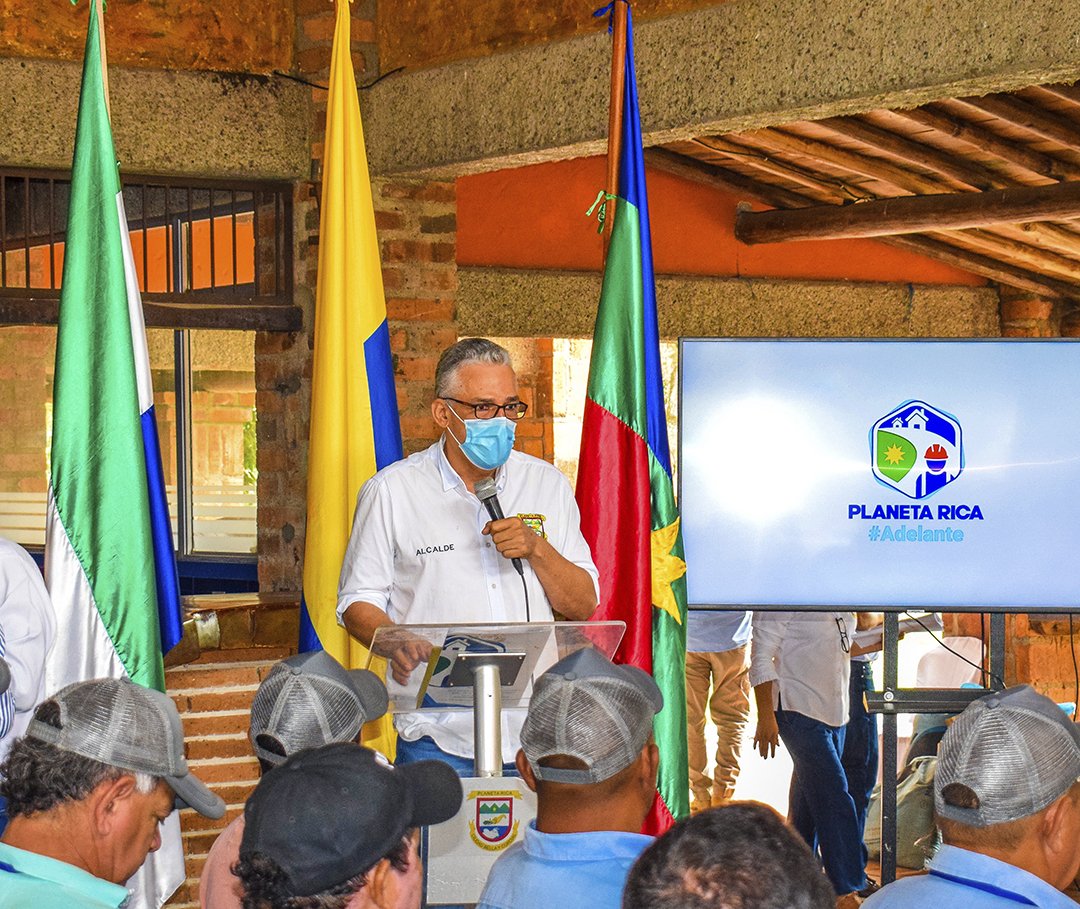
x,y
471,673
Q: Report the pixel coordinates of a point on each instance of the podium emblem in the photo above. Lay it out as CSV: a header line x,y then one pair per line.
x,y
494,826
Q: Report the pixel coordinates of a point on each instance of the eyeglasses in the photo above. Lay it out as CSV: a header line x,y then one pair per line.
x,y
845,641
515,410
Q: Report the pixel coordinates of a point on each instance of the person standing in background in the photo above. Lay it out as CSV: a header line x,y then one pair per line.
x,y
860,755
27,630
799,667
717,674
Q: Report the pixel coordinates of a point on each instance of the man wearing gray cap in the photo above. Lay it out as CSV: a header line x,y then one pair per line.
x,y
1007,801
306,701
100,767
587,750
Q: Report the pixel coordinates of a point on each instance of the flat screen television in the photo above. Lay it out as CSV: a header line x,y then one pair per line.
x,y
881,474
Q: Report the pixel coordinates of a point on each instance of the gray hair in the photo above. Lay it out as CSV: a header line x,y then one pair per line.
x,y
38,776
467,350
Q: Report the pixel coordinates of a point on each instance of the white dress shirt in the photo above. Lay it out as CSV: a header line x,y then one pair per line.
x,y
29,624
416,552
803,653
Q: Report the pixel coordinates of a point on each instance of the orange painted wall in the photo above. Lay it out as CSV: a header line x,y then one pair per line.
x,y
534,217
164,34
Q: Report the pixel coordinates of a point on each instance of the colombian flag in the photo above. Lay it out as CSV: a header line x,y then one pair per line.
x,y
624,486
354,414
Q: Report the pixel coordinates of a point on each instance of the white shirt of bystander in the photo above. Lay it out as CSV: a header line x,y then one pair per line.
x,y
804,653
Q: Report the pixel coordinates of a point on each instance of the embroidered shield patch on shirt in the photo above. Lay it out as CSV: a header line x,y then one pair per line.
x,y
535,522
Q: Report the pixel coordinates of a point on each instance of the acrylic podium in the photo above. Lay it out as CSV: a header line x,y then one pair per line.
x,y
478,676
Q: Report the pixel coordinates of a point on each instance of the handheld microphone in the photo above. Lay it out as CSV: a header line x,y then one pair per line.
x,y
485,492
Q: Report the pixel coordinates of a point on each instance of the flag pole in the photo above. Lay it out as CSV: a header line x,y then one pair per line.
x,y
99,8
615,113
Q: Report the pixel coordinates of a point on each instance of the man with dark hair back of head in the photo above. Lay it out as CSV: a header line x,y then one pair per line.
x,y
1007,802
740,856
588,752
100,767
336,828
306,701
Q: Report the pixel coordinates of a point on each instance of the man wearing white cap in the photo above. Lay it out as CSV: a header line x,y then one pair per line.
x,y
100,767
1007,801
587,751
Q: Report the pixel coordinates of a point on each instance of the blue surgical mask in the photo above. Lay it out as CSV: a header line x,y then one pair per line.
x,y
488,443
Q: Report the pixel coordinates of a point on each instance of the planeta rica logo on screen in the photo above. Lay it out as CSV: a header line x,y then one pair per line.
x,y
916,449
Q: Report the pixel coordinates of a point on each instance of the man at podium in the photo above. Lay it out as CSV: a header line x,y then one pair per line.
x,y
425,549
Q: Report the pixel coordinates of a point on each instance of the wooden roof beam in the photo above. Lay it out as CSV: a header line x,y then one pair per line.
x,y
965,173
974,263
1034,162
987,267
1027,116
911,215
906,181
758,160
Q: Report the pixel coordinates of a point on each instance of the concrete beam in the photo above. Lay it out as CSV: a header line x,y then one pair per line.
x,y
545,304
732,67
164,122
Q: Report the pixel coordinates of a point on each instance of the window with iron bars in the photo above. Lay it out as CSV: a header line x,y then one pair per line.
x,y
213,254
199,243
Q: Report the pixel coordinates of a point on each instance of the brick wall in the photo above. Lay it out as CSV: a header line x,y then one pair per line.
x,y
1026,316
532,357
213,691
417,225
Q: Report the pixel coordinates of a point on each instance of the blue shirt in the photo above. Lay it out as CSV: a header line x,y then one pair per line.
x,y
564,870
29,879
970,880
709,631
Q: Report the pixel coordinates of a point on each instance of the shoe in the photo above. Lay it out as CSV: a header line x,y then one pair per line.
x,y
871,888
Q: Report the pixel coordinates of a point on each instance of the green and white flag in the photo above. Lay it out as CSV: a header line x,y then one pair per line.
x,y
109,560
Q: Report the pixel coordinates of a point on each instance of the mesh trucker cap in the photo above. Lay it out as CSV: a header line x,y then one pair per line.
x,y
125,725
588,708
330,813
310,700
1016,750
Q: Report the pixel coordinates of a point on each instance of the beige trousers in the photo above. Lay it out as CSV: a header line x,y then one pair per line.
x,y
727,674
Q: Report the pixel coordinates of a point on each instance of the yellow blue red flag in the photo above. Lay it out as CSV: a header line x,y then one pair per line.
x,y
354,414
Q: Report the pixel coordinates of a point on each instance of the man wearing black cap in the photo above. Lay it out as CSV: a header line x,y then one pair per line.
x,y
587,750
100,767
305,701
1007,802
337,827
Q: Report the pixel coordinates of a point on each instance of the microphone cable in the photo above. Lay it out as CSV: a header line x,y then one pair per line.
x,y
525,587
985,673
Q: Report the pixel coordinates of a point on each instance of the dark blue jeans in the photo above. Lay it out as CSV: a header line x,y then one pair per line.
x,y
860,755
821,810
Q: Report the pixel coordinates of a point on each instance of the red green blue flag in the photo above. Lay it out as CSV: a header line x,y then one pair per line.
x,y
624,486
